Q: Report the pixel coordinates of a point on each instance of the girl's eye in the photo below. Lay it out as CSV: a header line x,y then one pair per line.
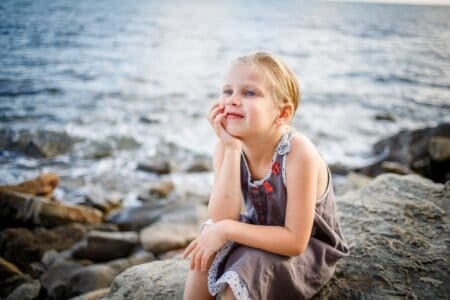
x,y
227,92
249,93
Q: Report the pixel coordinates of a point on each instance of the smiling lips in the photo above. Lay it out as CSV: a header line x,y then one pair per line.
x,y
233,115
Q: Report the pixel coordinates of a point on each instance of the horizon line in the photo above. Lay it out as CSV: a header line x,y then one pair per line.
x,y
401,2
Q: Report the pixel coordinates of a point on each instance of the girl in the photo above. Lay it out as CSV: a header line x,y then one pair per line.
x,y
287,242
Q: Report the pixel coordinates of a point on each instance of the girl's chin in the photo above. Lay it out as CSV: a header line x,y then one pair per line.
x,y
234,132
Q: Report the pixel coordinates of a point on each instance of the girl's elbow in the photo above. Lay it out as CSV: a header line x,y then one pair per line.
x,y
298,248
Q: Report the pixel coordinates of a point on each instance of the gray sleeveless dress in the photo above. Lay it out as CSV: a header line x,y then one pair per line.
x,y
257,274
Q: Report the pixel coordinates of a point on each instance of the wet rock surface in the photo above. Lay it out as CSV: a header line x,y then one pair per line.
x,y
424,151
40,143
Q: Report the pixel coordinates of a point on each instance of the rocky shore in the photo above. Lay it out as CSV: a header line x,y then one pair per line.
x,y
397,227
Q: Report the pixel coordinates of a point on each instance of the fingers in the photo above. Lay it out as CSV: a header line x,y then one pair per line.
x,y
215,110
189,248
217,123
204,260
196,255
198,260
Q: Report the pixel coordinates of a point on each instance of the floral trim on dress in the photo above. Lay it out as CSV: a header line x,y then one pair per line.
x,y
285,146
283,149
276,168
231,278
268,187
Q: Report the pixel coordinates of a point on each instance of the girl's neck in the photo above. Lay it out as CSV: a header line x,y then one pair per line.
x,y
260,149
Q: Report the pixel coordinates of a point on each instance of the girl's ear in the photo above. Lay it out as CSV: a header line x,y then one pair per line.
x,y
285,115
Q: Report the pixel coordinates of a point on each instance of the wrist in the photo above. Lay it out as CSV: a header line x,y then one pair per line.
x,y
237,147
223,228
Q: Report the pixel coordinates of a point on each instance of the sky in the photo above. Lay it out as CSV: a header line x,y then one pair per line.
x,y
419,2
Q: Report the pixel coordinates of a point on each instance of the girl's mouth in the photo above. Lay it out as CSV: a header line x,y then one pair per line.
x,y
232,115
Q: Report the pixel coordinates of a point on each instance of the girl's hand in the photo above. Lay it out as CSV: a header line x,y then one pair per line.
x,y
202,249
215,118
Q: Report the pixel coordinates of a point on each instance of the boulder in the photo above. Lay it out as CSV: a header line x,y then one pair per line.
x,y
10,277
136,217
397,228
162,237
94,295
199,164
176,229
22,246
43,185
18,208
424,151
439,148
161,189
97,197
40,143
104,246
352,181
157,192
69,279
105,147
158,166
27,291
158,280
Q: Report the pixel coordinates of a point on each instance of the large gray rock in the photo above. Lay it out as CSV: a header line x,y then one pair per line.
x,y
398,231
161,237
104,246
176,229
27,291
18,208
424,151
136,217
23,247
158,280
68,279
39,143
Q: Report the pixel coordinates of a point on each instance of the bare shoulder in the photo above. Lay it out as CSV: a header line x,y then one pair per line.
x,y
304,160
303,149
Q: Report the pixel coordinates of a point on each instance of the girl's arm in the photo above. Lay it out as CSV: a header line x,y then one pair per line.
x,y
225,199
302,167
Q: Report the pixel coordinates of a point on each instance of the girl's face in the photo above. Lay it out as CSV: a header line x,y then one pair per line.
x,y
250,109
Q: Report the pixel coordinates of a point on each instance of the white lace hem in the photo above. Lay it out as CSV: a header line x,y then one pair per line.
x,y
231,278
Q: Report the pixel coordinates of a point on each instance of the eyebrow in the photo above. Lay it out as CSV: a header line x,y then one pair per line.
x,y
245,86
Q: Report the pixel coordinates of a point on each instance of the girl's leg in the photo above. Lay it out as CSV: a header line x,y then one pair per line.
x,y
196,286
227,294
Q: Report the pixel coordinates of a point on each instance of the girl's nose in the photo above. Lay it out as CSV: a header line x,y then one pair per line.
x,y
232,100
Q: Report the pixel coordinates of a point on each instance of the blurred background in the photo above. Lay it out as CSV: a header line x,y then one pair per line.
x,y
89,89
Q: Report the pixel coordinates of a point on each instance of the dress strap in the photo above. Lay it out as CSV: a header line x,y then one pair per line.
x,y
283,149
285,143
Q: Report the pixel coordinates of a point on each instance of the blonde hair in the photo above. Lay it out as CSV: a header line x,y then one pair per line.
x,y
284,82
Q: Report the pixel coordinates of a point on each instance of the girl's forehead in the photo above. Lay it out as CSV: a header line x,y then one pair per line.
x,y
241,73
